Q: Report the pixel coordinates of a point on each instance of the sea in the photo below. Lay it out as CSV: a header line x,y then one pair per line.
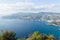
x,y
24,28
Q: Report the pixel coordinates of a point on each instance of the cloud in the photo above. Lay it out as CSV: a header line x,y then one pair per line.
x,y
6,9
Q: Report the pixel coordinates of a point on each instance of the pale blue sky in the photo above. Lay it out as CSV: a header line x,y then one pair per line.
x,y
35,1
15,6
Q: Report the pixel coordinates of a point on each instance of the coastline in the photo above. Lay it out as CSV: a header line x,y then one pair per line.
x,y
54,23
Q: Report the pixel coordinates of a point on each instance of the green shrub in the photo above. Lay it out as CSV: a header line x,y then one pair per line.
x,y
7,36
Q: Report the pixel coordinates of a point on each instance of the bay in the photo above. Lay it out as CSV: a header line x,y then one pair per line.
x,y
23,28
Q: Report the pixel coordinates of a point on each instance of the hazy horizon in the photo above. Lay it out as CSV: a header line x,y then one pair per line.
x,y
14,6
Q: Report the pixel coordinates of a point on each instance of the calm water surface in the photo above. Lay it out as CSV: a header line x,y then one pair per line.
x,y
24,28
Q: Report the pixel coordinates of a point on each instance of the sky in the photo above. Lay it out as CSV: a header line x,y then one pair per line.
x,y
28,6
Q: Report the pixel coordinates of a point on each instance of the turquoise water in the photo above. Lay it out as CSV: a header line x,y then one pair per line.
x,y
24,28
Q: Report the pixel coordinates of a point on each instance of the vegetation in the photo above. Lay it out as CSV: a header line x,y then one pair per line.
x,y
37,36
8,35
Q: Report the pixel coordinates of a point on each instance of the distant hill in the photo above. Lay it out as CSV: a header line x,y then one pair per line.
x,y
31,16
22,15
